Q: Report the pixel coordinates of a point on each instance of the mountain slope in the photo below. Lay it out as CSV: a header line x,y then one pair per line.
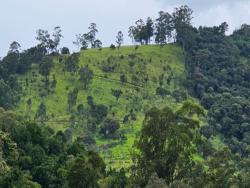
x,y
145,69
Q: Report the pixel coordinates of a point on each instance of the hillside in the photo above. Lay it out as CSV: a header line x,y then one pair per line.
x,y
172,114
145,69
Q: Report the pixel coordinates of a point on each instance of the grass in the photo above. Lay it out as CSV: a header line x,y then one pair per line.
x,y
147,60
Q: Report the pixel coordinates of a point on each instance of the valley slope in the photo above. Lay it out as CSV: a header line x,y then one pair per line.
x,y
137,73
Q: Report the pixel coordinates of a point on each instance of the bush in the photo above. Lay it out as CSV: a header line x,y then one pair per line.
x,y
109,127
112,47
65,50
123,78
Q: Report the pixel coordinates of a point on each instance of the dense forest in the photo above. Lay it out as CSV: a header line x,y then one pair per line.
x,y
170,110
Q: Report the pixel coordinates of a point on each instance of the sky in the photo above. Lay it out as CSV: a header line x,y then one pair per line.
x,y
19,19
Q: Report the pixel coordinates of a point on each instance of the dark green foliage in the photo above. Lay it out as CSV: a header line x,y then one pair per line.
x,y
110,64
72,63
162,91
90,102
123,78
14,47
45,67
31,155
85,170
80,109
116,93
65,50
142,32
116,179
182,18
91,35
119,39
8,96
53,82
97,44
109,128
166,143
180,95
50,44
72,98
41,113
97,111
219,78
164,28
11,62
86,75
112,47
83,40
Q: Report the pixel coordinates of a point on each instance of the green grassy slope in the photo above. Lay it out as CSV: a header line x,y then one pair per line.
x,y
152,61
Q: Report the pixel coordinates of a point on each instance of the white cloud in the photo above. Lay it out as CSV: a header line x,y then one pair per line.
x,y
214,12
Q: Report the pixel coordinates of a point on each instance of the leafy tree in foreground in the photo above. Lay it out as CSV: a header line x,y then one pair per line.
x,y
85,171
167,143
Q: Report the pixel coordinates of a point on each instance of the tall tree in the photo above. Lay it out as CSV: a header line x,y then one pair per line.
x,y
77,41
43,37
149,30
92,34
142,32
81,41
131,33
72,98
182,18
14,47
86,170
166,142
47,42
164,28
119,39
139,31
57,38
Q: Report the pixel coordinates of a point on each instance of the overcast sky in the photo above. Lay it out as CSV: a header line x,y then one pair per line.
x,y
19,19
